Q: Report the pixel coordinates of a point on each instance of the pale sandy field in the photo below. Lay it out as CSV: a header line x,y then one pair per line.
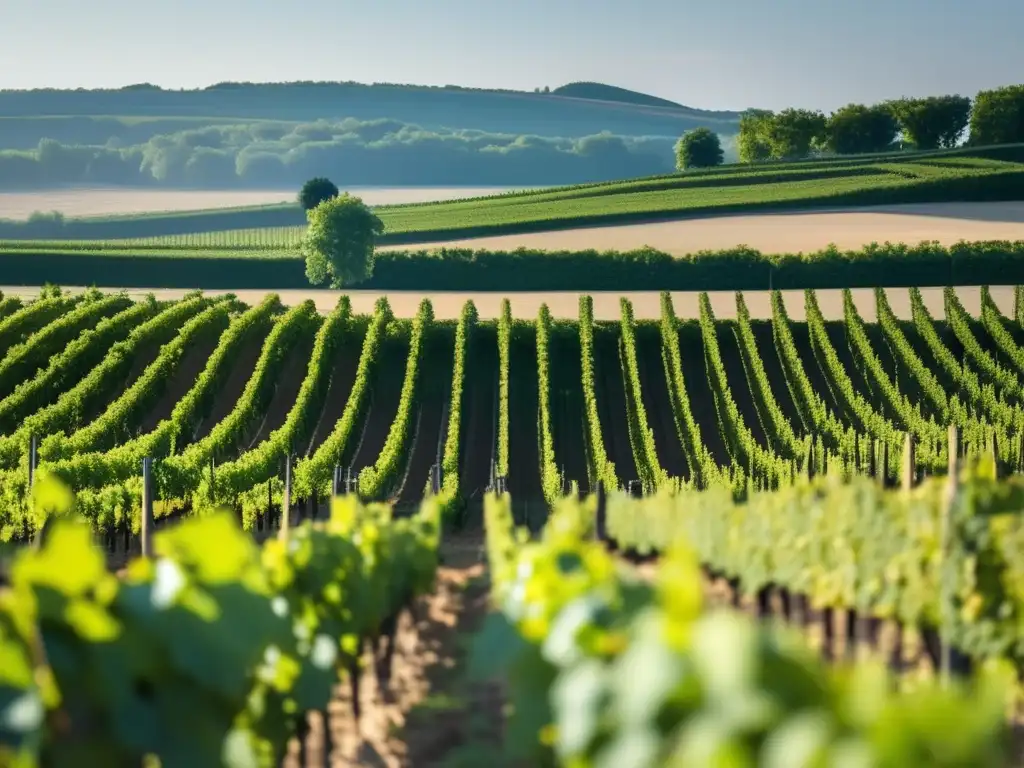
x,y
782,232
646,305
103,202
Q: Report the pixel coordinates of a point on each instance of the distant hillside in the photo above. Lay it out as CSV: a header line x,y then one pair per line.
x,y
567,113
602,92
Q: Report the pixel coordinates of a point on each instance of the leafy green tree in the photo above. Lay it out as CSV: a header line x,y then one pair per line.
x,y
315,191
998,116
934,122
752,142
856,128
699,148
791,133
339,242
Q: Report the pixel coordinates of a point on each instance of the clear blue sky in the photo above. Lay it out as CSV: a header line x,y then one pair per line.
x,y
716,54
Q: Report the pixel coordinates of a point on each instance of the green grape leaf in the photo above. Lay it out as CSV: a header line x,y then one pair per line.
x,y
646,674
635,748
576,697
800,741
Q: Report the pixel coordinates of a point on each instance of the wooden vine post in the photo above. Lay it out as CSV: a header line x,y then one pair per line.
x,y
286,503
33,461
883,465
601,522
146,523
909,463
213,479
995,452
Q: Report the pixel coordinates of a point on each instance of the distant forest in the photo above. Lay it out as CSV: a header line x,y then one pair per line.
x,y
352,152
272,134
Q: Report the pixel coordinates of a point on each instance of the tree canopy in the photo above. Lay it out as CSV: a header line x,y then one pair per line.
x,y
791,133
339,243
752,142
315,191
856,128
998,116
932,123
699,148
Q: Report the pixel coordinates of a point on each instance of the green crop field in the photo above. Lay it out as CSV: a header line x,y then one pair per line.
x,y
958,175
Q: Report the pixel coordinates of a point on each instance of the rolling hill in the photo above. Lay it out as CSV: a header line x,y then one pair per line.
x,y
578,109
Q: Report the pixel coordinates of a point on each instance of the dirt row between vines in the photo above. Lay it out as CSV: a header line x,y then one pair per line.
x,y
433,715
565,304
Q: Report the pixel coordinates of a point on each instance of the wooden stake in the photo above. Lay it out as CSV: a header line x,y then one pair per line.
x,y
146,524
33,459
601,529
995,452
909,463
883,466
286,506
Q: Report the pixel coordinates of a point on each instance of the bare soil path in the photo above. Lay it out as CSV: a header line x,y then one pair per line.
x,y
433,715
784,232
565,304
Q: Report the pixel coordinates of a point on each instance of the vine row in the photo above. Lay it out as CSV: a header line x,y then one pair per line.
x,y
703,466
450,460
601,468
67,367
376,481
504,341
259,463
118,419
23,360
96,469
313,474
88,396
641,436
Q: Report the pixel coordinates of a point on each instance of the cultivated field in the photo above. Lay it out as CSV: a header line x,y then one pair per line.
x,y
977,174
700,397
795,232
239,381
118,200
575,473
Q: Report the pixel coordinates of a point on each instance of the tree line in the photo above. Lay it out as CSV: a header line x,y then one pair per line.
x,y
936,122
371,152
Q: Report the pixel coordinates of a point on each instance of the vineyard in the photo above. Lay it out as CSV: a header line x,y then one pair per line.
x,y
708,442
223,396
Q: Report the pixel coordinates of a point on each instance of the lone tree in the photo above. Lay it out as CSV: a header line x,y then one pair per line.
x,y
315,191
338,245
699,148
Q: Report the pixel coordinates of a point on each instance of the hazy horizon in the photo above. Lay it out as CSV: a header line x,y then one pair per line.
x,y
731,55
